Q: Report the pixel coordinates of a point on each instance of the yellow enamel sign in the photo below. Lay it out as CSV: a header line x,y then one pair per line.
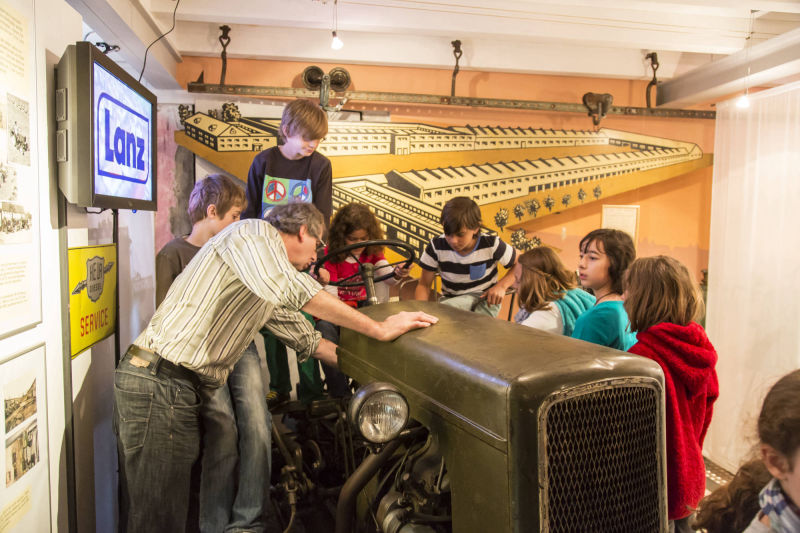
x,y
92,286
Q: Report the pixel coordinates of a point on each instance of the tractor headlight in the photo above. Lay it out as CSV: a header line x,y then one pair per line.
x,y
378,412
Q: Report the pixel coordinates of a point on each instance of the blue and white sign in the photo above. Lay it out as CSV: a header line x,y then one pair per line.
x,y
122,130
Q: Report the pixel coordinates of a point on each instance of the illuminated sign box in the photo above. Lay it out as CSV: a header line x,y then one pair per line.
x,y
106,137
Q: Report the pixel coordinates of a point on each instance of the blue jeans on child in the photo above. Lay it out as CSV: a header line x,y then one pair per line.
x,y
471,302
156,421
237,429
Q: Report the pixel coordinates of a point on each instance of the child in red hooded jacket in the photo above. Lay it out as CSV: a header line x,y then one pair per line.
x,y
662,302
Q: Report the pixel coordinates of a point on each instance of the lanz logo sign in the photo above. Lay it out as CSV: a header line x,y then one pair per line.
x,y
123,141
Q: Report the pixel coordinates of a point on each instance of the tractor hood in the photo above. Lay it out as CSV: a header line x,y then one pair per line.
x,y
467,367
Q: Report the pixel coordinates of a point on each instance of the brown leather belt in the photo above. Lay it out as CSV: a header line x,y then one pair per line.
x,y
144,358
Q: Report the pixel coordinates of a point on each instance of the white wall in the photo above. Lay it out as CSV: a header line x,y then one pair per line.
x,y
79,392
753,293
55,25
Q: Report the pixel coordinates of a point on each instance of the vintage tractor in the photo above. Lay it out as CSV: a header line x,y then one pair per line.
x,y
477,424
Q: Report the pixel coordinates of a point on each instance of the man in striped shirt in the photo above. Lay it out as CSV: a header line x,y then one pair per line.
x,y
246,277
467,261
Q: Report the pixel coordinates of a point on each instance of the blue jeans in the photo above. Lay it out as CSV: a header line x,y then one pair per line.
x,y
237,433
337,381
157,425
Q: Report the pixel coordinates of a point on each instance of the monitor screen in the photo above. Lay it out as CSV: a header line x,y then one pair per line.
x,y
123,122
106,146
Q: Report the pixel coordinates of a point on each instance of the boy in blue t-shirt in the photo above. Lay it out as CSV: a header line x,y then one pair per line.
x,y
467,261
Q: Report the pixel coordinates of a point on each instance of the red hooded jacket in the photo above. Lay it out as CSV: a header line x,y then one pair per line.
x,y
687,358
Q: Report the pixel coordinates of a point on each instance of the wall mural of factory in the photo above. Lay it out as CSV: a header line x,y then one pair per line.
x,y
514,173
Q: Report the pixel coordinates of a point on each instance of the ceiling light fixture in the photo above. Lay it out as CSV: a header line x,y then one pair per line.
x,y
743,101
336,42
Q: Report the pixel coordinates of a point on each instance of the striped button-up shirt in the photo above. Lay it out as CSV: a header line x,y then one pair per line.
x,y
238,282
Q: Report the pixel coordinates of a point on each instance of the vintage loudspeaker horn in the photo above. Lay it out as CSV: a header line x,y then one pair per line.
x,y
312,77
340,79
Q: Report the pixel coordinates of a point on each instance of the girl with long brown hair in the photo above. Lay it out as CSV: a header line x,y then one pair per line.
x,y
548,299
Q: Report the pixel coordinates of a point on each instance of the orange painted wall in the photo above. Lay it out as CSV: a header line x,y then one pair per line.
x,y
674,218
674,215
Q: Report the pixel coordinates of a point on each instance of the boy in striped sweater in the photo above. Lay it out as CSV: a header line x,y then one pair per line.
x,y
467,261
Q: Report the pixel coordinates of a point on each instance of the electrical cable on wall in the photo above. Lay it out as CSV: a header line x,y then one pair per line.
x,y
144,63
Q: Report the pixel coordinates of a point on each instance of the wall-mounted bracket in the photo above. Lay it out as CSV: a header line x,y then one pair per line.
x,y
224,40
457,53
653,57
598,105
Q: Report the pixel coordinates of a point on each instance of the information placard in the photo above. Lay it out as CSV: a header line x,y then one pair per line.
x,y
622,217
25,489
20,284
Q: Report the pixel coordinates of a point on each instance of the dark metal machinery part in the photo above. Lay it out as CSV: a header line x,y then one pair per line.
x,y
432,99
419,493
345,509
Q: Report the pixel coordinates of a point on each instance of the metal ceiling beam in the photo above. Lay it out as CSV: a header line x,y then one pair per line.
x,y
771,60
413,98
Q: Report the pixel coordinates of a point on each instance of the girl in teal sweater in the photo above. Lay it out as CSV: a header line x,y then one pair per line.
x,y
605,255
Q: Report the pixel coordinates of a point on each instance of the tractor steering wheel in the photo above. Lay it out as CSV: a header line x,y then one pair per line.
x,y
406,250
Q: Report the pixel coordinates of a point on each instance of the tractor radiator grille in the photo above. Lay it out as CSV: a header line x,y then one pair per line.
x,y
601,452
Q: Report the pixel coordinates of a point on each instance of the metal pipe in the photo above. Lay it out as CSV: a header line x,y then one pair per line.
x,y
345,508
115,240
433,99
368,275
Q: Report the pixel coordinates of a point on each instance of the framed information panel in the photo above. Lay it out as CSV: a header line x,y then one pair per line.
x,y
20,281
25,488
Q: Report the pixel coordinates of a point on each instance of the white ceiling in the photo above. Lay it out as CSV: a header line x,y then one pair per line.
x,y
573,37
